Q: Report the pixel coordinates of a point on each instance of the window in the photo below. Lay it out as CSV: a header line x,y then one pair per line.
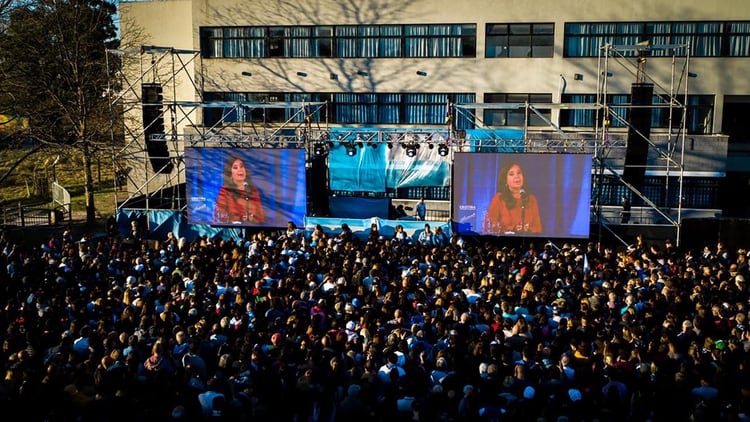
x,y
440,40
343,108
587,117
513,111
696,192
738,43
369,41
706,39
233,42
393,108
520,40
699,110
235,112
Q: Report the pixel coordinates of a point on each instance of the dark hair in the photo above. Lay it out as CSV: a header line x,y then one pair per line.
x,y
228,182
502,185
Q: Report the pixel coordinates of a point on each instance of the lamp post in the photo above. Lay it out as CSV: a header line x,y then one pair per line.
x,y
54,171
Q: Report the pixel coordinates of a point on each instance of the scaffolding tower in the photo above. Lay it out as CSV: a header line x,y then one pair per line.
x,y
307,126
671,95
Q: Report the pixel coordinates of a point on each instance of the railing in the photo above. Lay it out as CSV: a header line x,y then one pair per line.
x,y
61,196
30,215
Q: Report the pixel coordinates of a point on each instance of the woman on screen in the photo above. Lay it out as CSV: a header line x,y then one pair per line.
x,y
513,210
238,201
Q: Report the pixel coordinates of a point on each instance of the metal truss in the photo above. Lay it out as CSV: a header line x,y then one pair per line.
x,y
304,129
632,59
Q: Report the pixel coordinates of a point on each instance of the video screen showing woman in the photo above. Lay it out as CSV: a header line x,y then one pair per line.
x,y
513,209
238,201
245,186
522,194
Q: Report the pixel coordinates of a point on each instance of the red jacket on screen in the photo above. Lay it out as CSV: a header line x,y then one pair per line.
x,y
500,218
234,205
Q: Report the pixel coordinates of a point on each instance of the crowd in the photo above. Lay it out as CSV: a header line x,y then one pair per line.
x,y
294,326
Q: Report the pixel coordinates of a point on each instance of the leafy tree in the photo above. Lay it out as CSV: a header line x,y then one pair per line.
x,y
54,72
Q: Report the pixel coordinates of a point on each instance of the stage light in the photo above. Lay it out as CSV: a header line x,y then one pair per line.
x,y
319,149
351,150
411,150
442,150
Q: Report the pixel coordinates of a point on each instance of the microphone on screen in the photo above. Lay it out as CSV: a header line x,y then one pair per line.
x,y
524,197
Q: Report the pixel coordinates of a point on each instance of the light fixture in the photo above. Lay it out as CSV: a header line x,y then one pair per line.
x,y
246,73
578,76
411,149
333,76
351,149
442,150
692,75
421,73
302,74
319,149
362,73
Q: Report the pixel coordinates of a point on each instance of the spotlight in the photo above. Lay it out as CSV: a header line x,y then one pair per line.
x,y
319,149
442,150
351,150
411,150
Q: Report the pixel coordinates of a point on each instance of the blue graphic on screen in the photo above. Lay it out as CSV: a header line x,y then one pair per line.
x,y
560,185
245,187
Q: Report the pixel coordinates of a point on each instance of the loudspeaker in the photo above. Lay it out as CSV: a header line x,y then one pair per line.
x,y
636,152
153,124
317,187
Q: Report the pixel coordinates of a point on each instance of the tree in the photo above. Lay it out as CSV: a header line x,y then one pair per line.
x,y
54,72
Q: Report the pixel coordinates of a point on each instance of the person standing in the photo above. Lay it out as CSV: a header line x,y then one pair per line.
x,y
625,212
421,209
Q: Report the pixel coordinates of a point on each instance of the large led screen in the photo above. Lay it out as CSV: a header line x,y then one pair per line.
x,y
245,187
520,194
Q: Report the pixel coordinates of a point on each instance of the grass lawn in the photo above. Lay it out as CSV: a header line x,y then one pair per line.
x,y
28,184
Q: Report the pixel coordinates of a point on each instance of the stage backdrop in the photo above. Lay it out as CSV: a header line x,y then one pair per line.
x,y
279,174
561,183
376,167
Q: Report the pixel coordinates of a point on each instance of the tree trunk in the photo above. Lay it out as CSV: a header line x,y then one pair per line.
x,y
88,186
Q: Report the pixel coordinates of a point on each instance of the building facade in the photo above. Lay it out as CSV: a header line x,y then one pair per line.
x,y
414,64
